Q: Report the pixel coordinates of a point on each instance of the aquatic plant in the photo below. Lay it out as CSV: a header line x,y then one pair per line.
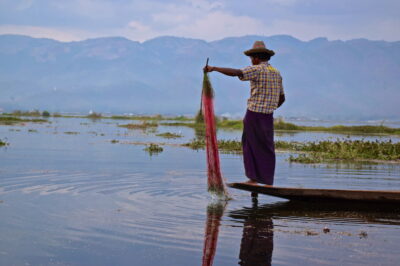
x,y
3,143
144,125
153,149
94,115
114,141
45,114
26,113
71,133
348,150
10,120
150,117
316,152
169,135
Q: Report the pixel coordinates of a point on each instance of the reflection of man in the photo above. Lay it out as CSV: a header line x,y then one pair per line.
x,y
257,242
266,95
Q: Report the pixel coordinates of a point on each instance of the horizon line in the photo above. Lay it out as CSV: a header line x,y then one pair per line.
x,y
198,39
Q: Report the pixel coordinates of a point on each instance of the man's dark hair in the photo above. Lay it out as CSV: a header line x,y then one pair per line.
x,y
262,56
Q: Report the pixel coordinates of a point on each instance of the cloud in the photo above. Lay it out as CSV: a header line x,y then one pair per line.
x,y
217,25
205,19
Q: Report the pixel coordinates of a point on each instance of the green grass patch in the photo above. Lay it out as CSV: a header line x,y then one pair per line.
x,y
150,118
322,151
12,120
281,125
3,143
224,146
26,113
144,125
169,135
153,149
94,115
71,133
349,150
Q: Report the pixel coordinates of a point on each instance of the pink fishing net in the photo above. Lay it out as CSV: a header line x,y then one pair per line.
x,y
215,181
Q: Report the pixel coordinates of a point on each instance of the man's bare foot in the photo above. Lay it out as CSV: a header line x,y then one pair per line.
x,y
250,182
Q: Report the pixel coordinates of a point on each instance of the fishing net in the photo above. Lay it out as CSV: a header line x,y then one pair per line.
x,y
215,181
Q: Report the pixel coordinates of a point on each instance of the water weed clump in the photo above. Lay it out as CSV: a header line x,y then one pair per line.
x,y
225,146
169,135
347,150
26,113
11,120
317,152
71,133
45,114
3,143
94,115
153,149
143,126
150,117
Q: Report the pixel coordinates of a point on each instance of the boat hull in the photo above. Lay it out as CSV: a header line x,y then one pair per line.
x,y
312,194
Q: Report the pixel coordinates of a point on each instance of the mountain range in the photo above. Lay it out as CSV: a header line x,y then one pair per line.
x,y
354,79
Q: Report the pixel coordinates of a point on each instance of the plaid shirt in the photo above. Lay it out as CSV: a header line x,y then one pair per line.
x,y
266,86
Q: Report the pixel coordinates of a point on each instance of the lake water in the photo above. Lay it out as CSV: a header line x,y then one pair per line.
x,y
78,199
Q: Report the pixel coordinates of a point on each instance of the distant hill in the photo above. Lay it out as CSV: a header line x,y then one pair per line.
x,y
356,79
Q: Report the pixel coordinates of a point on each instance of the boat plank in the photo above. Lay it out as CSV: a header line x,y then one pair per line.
x,y
321,194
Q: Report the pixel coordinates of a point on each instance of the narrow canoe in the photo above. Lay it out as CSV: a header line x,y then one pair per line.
x,y
313,194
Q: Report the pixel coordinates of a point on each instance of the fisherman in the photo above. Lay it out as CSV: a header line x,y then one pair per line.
x,y
266,95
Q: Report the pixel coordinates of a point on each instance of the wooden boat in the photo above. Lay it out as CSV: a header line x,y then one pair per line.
x,y
314,194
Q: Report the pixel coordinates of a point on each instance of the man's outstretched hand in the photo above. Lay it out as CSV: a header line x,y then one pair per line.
x,y
208,69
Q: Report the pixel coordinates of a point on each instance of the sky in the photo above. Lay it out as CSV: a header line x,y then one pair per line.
x,y
141,20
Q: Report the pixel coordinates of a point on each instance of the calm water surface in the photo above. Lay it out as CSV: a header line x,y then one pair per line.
x,y
78,199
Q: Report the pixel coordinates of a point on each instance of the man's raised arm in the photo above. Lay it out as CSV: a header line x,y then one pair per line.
x,y
226,71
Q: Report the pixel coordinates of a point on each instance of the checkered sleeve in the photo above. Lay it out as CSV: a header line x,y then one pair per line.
x,y
249,73
282,90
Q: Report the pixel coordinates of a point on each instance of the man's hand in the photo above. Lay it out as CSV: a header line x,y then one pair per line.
x,y
208,69
281,99
226,71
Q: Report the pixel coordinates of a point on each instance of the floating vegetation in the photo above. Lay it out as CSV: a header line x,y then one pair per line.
x,y
150,118
71,133
281,125
3,143
153,149
32,130
45,114
11,120
26,113
114,141
94,115
225,146
169,135
349,150
144,125
322,151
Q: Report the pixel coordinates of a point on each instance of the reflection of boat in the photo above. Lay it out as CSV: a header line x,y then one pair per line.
x,y
313,194
329,211
261,224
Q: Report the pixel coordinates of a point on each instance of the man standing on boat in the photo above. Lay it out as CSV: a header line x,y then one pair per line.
x,y
266,95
